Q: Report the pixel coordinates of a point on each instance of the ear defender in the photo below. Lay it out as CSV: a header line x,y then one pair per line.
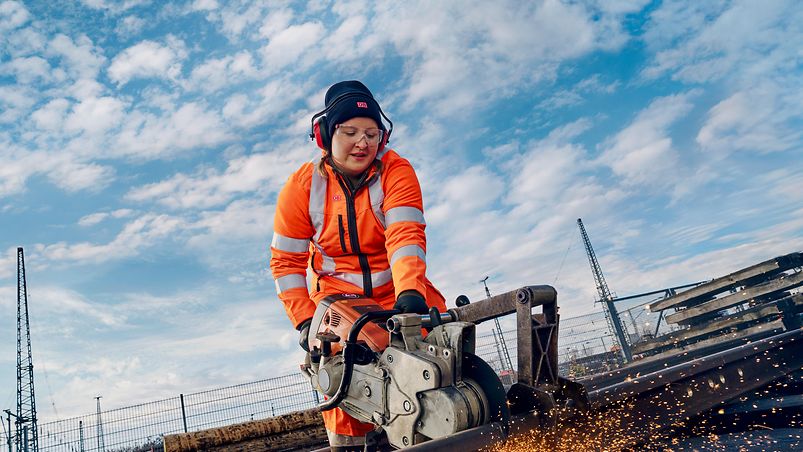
x,y
320,133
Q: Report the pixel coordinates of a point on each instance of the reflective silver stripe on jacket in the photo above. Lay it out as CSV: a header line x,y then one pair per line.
x,y
377,196
398,214
377,279
287,282
288,244
327,262
408,250
317,202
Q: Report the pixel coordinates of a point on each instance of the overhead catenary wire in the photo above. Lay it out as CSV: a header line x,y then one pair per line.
x,y
49,390
562,261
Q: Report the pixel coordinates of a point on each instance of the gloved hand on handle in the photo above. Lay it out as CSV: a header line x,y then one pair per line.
x,y
411,302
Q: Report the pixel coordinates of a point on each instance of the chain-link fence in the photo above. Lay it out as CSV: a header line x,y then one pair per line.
x,y
586,346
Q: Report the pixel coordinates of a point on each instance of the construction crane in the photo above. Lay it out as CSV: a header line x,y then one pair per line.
x,y
611,314
27,434
501,345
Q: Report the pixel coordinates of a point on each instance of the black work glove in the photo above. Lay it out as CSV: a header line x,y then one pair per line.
x,y
411,302
303,338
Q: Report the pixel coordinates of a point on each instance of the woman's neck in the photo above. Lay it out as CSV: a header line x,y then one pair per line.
x,y
353,181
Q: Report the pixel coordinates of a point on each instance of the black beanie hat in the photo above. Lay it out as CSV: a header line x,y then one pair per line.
x,y
356,101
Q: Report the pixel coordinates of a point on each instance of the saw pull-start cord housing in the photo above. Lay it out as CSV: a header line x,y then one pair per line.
x,y
377,366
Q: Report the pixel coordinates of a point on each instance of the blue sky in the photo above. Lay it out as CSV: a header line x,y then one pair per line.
x,y
142,145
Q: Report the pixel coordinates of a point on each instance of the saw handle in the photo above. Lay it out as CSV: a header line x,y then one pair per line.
x,y
348,355
428,321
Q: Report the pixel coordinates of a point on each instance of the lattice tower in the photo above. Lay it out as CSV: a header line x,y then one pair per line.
x,y
27,437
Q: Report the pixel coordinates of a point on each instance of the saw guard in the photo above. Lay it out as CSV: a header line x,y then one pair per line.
x,y
479,372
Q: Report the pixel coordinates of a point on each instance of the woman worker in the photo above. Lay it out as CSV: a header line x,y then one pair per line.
x,y
356,218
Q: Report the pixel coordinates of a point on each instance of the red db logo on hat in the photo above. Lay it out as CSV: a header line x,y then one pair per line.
x,y
362,104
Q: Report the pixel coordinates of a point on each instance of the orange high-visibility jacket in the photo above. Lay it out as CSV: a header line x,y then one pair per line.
x,y
370,242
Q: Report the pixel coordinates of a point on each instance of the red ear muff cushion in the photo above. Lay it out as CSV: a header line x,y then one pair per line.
x,y
321,132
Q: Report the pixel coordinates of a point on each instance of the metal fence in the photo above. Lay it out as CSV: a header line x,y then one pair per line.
x,y
585,346
141,427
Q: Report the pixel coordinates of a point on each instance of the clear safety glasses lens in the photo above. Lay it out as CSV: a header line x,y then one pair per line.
x,y
355,134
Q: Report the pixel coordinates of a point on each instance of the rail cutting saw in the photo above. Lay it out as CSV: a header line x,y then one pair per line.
x,y
381,366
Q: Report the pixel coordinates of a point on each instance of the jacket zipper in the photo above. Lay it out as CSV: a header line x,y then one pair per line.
x,y
351,216
342,233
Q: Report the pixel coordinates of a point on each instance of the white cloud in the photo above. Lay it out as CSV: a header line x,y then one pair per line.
x,y
130,25
266,103
8,263
204,5
15,102
707,41
85,88
576,94
64,306
92,219
122,213
12,15
28,69
80,58
455,77
786,184
135,236
17,165
95,115
241,222
51,115
25,41
759,120
642,153
147,136
255,173
114,6
466,193
214,74
545,172
275,22
238,17
148,59
348,42
74,176
291,44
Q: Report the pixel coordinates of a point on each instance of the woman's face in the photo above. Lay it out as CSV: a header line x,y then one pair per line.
x,y
354,145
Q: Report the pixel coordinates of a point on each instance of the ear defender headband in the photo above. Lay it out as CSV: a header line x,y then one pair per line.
x,y
319,130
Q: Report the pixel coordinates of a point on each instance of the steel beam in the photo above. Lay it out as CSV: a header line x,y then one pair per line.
x,y
774,286
734,321
718,285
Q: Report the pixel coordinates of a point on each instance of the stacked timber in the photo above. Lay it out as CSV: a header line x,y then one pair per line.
x,y
300,430
747,304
